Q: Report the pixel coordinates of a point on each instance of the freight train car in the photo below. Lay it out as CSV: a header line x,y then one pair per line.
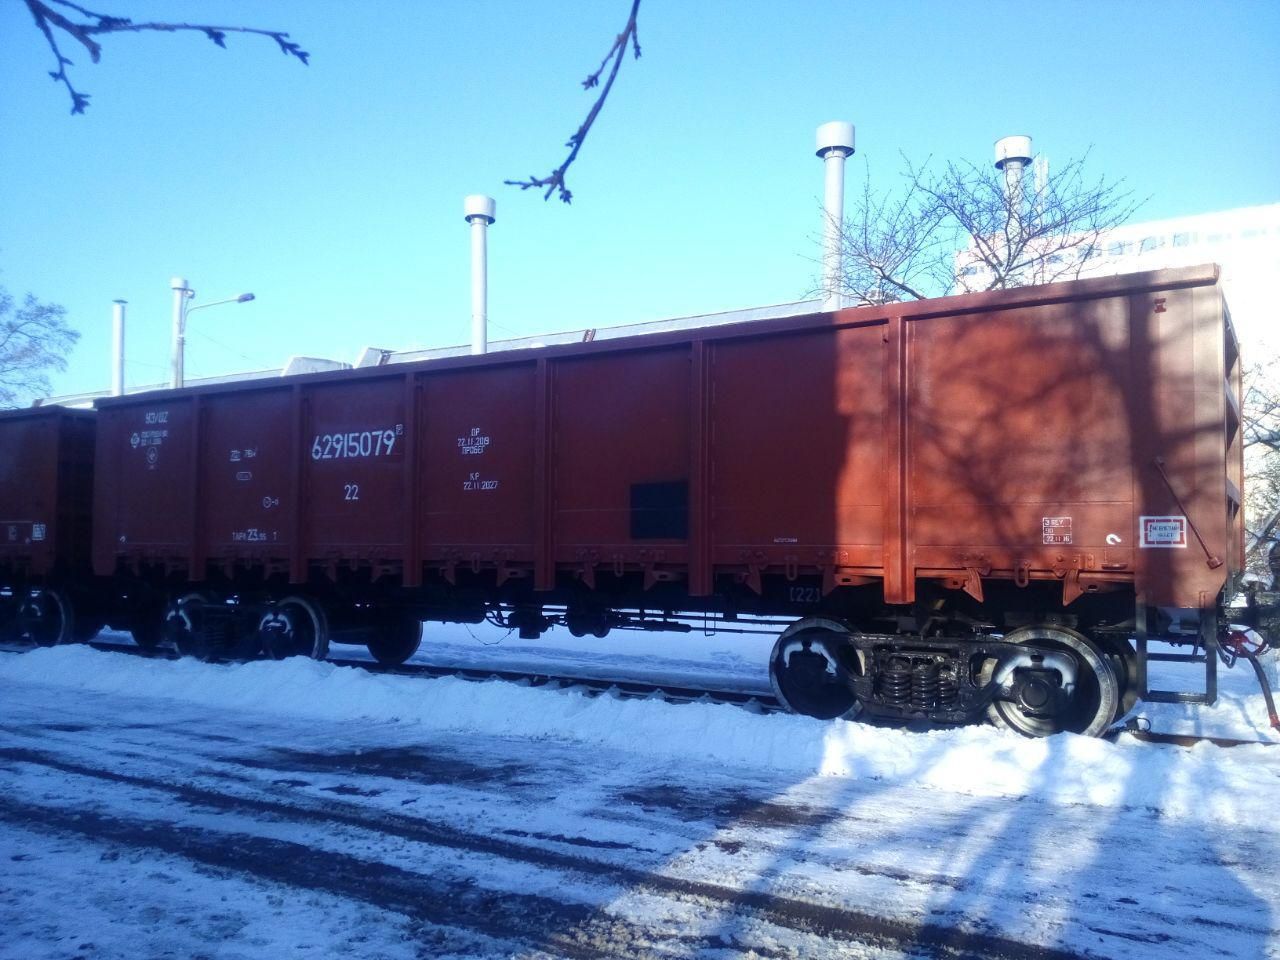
x,y
47,593
973,506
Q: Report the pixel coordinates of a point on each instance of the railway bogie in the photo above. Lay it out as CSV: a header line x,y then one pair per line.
x,y
1036,680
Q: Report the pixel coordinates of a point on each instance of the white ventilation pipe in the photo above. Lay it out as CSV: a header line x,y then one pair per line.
x,y
117,348
178,347
479,212
835,144
1013,154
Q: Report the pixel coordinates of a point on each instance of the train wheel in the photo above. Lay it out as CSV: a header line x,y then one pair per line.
x,y
183,626
294,627
396,639
1063,683
45,618
582,621
810,668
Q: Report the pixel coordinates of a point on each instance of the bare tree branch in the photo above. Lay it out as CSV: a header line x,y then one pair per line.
x,y
555,180
1260,423
1262,406
90,25
963,229
34,338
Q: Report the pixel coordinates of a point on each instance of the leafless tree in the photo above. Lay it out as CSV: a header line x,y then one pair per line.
x,y
1261,425
964,228
64,19
554,182
34,338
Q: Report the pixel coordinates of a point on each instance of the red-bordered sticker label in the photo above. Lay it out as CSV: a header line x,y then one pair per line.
x,y
1162,532
1056,529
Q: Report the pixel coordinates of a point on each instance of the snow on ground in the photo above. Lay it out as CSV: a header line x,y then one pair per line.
x,y
180,809
740,662
977,760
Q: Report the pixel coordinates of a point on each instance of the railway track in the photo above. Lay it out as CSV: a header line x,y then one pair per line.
x,y
761,703
591,686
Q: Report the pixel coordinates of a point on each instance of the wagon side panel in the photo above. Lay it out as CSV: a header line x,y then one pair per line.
x,y
144,484
621,464
355,475
798,441
1021,444
33,512
476,483
247,502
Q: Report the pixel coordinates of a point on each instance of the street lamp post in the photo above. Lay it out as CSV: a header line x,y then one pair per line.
x,y
182,295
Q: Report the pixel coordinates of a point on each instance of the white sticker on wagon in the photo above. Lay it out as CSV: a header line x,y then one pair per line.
x,y
1162,532
1055,529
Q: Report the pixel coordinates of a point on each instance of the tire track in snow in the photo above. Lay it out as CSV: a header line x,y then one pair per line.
x,y
833,923
685,814
522,920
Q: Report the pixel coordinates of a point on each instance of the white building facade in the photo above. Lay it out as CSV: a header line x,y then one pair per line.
x,y
1244,242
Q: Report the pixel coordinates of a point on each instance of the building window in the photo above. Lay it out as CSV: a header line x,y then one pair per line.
x,y
1151,243
1183,239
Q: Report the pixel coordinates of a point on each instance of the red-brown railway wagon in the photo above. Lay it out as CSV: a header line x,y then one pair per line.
x,y
924,480
46,479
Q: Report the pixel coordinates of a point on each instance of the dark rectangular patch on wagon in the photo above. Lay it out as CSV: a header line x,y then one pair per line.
x,y
660,511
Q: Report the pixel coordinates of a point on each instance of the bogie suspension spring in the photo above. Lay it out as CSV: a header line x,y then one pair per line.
x,y
918,684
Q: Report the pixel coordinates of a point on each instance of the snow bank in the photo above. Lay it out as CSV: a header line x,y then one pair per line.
x,y
1205,782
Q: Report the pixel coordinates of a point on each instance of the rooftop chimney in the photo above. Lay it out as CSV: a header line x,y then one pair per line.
x,y
117,348
479,211
1012,156
835,143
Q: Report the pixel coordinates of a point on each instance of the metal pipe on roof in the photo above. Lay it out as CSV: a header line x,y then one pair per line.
x,y
117,347
1013,154
835,144
479,211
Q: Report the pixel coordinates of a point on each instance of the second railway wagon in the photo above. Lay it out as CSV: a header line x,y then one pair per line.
x,y
973,503
46,476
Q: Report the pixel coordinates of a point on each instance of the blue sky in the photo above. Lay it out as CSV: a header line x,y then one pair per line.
x,y
334,192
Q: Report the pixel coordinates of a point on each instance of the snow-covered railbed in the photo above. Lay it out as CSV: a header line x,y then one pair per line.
x,y
177,808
